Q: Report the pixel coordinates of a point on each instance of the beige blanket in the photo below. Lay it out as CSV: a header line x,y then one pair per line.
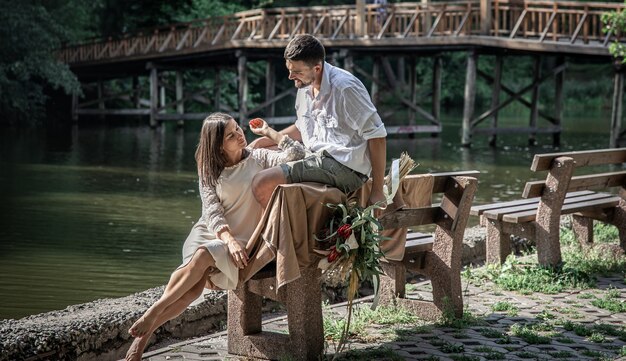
x,y
296,212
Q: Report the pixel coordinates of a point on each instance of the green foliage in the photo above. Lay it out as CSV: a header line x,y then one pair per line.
x,y
504,306
29,35
529,334
611,301
615,23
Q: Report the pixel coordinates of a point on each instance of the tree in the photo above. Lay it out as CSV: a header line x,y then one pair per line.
x,y
27,65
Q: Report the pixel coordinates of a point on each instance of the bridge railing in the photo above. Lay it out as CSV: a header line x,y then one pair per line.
x,y
557,21
538,21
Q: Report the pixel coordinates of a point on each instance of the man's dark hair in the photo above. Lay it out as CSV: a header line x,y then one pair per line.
x,y
305,48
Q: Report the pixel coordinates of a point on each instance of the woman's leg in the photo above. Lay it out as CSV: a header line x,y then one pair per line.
x,y
172,311
181,282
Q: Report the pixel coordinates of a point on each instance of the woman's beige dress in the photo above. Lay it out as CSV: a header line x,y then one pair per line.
x,y
231,204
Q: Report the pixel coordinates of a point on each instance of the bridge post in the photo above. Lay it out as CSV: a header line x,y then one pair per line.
x,y
534,110
217,99
470,97
100,88
135,92
616,113
243,86
180,105
495,99
359,25
270,88
436,102
412,89
485,17
74,108
375,79
558,100
154,94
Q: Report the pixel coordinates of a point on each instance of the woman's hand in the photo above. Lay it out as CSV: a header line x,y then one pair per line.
x,y
235,248
258,126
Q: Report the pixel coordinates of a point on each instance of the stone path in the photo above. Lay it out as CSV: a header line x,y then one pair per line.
x,y
564,326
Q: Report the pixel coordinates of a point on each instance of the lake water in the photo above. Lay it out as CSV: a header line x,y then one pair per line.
x,y
95,211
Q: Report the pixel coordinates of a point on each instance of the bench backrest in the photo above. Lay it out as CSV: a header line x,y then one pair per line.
x,y
458,190
542,162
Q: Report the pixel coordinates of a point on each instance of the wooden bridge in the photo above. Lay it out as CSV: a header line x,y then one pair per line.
x,y
480,27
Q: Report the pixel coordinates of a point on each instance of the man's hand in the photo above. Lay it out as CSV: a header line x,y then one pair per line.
x,y
377,197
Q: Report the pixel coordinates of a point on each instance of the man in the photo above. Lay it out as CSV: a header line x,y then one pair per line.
x,y
337,123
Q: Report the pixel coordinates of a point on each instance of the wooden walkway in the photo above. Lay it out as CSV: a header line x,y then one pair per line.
x,y
386,34
530,26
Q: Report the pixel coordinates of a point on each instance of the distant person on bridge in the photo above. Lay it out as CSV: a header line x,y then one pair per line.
x,y
336,121
215,249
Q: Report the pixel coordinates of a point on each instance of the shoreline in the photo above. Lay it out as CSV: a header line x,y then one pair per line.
x,y
98,329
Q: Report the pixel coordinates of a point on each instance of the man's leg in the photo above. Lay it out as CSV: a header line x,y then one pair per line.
x,y
264,183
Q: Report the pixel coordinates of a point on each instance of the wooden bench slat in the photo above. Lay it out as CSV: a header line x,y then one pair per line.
x,y
409,217
440,179
582,158
478,210
605,180
500,212
529,216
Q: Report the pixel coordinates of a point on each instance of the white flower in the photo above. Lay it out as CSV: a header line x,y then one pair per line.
x,y
351,242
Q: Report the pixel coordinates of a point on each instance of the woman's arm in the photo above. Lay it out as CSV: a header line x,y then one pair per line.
x,y
290,149
213,217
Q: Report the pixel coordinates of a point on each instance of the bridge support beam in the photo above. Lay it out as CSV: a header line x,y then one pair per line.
x,y
470,98
180,105
495,98
242,70
616,113
154,95
558,100
436,101
534,108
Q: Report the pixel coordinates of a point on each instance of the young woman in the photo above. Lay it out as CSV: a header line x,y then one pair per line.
x,y
215,249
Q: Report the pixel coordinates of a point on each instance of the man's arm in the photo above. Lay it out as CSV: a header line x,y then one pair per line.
x,y
292,131
377,148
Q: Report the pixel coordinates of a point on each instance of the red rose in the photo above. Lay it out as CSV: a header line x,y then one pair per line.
x,y
332,256
344,231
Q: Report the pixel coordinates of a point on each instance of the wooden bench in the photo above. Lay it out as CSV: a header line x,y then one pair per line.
x,y
537,217
438,255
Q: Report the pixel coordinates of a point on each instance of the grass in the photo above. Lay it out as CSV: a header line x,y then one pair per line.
x,y
578,271
611,301
364,316
505,306
530,335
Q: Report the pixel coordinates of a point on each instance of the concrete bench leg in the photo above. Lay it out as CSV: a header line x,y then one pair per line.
x,y
392,283
583,230
303,300
498,243
619,221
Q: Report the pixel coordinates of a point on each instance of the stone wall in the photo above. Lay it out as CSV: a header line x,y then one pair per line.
x,y
98,330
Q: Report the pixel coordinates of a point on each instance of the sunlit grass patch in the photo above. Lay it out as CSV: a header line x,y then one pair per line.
x,y
505,306
611,301
578,271
365,316
530,335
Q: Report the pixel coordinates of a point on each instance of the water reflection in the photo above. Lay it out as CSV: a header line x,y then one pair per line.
x,y
91,211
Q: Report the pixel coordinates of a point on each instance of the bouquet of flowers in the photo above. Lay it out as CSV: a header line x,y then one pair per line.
x,y
351,242
353,252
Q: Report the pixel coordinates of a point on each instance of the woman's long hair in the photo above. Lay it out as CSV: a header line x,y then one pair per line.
x,y
210,157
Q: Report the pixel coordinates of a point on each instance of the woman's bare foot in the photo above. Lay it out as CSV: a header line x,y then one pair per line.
x,y
135,352
141,326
